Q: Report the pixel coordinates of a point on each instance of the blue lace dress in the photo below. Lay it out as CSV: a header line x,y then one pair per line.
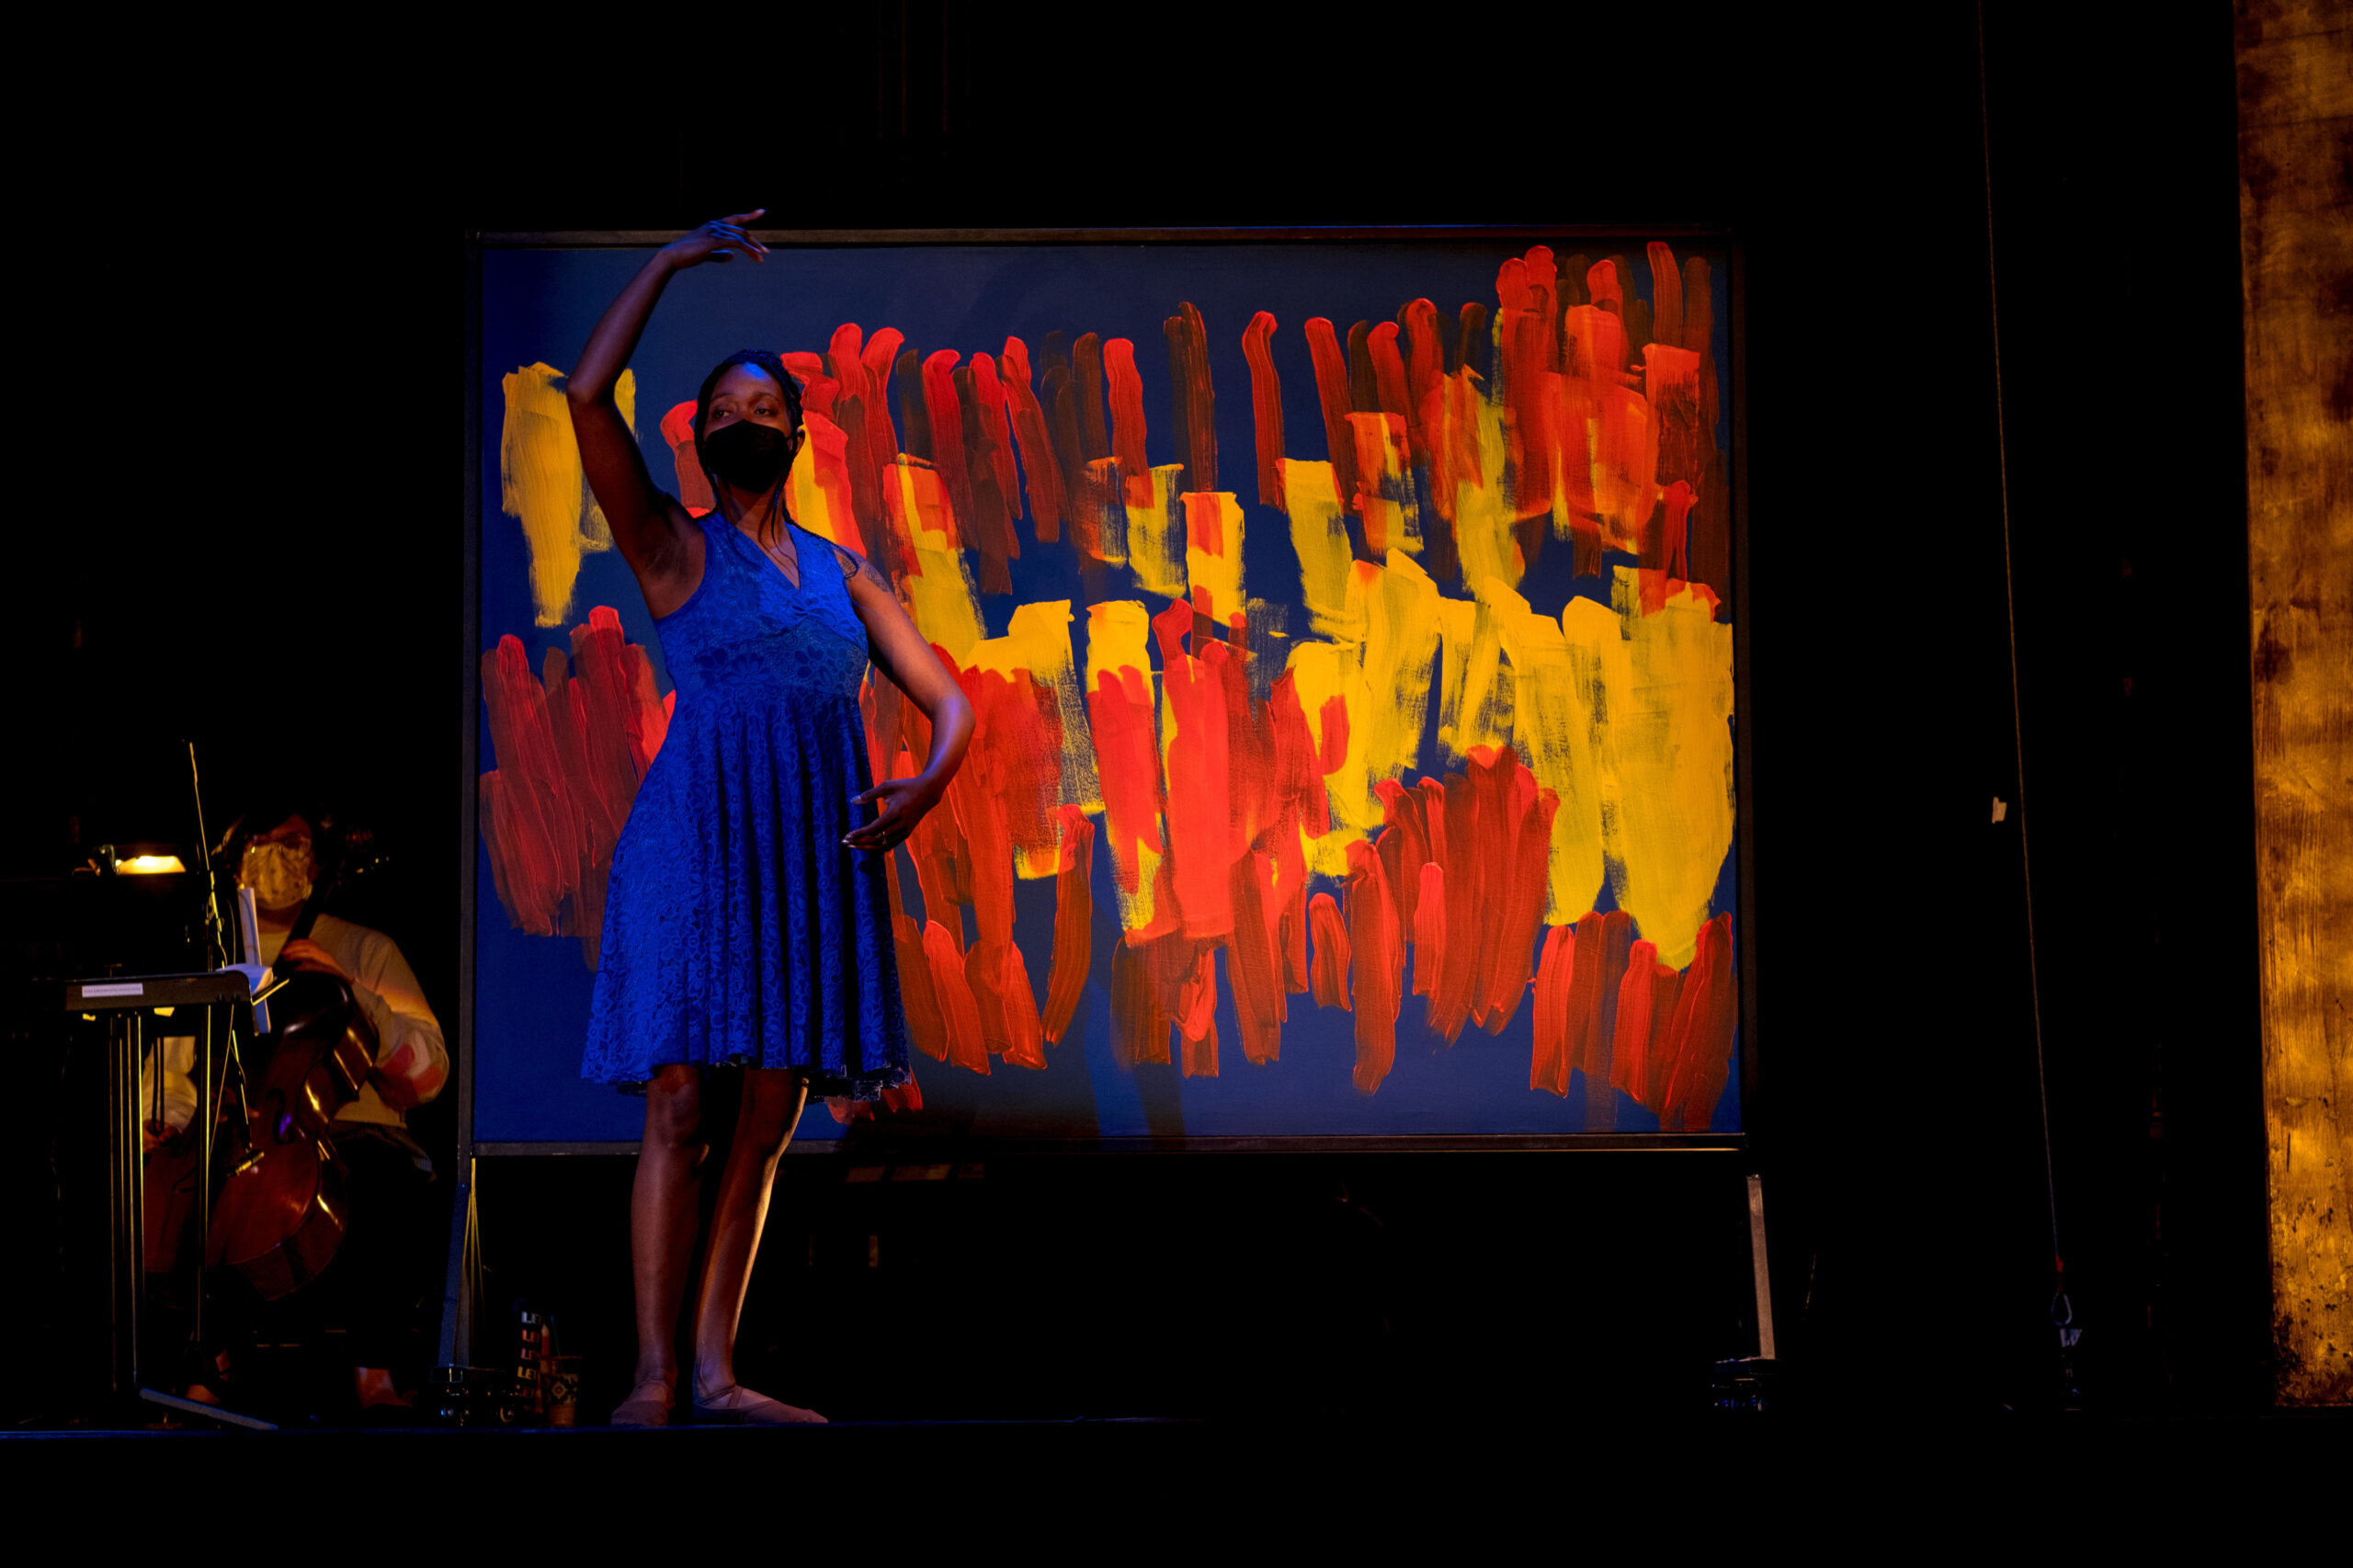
x,y
738,930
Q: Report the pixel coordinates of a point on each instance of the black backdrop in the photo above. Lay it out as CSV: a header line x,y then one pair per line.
x,y
317,339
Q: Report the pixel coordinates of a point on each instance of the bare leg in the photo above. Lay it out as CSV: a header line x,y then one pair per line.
x,y
661,1216
771,1109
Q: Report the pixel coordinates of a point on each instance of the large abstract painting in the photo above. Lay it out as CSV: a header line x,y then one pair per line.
x,y
1350,626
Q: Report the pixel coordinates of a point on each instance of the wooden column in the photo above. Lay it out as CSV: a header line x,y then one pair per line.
x,y
2295,75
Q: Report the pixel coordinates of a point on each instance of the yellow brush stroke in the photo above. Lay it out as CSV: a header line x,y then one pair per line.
x,y
1219,572
1482,519
541,485
1390,511
1321,671
1319,534
1110,514
1554,731
1483,700
803,497
941,593
1400,615
1153,554
1671,751
1038,643
1115,630
1456,627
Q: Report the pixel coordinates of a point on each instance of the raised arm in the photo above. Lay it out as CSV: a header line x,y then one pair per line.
x,y
646,522
901,653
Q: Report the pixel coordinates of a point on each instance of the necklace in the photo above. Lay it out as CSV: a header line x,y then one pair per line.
x,y
789,559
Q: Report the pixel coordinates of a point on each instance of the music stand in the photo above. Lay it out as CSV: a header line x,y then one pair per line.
x,y
126,1001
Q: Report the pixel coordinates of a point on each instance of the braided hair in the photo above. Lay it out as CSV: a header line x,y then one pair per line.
x,y
770,364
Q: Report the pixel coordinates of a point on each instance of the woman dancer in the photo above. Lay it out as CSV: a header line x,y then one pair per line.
x,y
747,925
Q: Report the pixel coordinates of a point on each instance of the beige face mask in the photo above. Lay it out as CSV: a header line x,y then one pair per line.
x,y
278,874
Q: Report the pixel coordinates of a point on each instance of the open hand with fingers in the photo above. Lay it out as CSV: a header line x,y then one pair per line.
x,y
721,239
904,802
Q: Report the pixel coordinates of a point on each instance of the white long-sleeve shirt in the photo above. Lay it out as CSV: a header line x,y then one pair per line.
x,y
411,1062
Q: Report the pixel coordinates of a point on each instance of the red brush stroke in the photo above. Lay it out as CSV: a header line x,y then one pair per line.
x,y
1196,1014
1198,805
1666,295
936,846
1127,420
1379,962
1265,406
1454,838
1606,940
1328,974
1658,574
1332,396
1425,368
572,749
1517,826
1430,928
1556,977
694,488
1712,518
1040,467
993,510
1008,1008
1630,1040
1087,376
1188,377
993,422
1671,382
967,1046
1528,362
1128,762
944,411
1260,1007
1404,846
1601,284
1144,980
1074,925
1706,1010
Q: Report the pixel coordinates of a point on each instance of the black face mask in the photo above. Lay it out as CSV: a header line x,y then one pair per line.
x,y
747,456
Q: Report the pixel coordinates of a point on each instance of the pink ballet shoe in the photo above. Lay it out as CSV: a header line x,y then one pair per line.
x,y
648,1405
736,1405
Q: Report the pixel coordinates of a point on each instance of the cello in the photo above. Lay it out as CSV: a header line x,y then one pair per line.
x,y
281,1215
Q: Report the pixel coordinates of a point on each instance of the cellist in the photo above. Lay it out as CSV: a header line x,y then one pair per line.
x,y
390,1253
